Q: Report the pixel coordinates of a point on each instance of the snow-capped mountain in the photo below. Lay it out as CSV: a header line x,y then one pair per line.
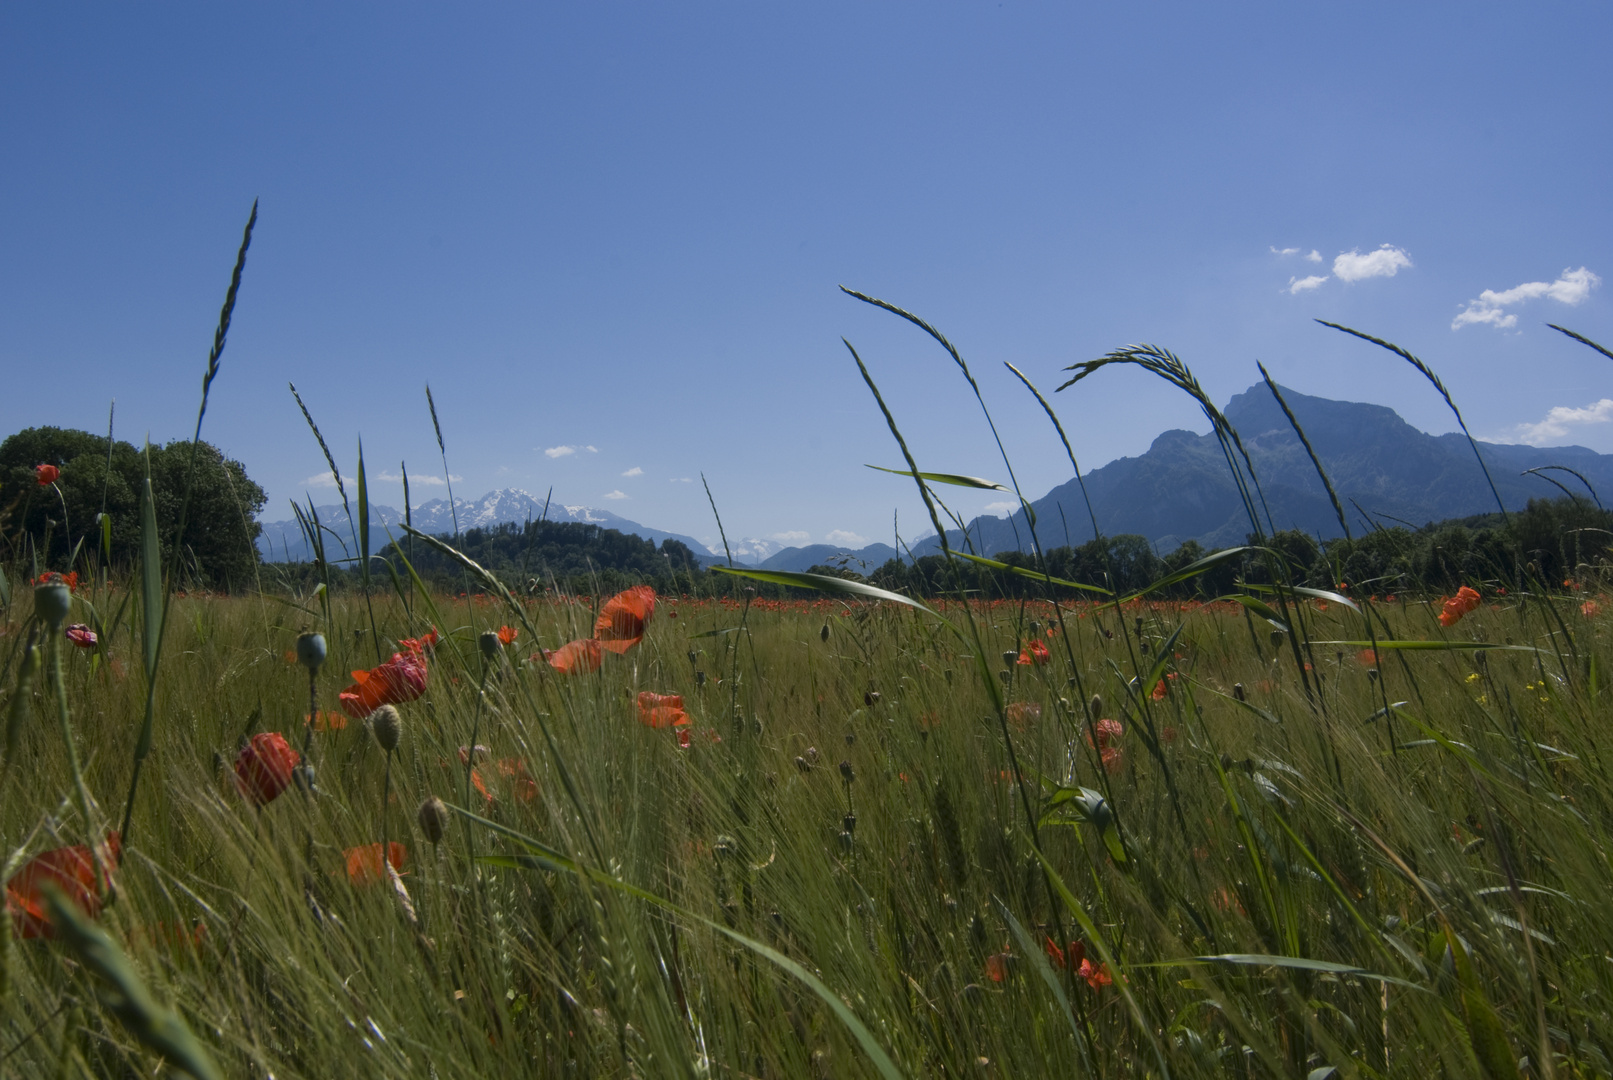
x,y
283,540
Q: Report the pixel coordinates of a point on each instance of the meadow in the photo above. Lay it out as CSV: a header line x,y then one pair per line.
x,y
386,831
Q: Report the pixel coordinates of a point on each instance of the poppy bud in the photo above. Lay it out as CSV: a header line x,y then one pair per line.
x,y
311,650
52,601
693,659
433,819
1010,657
823,635
387,726
849,822
700,678
1139,626
845,840
1276,639
846,772
851,737
1237,691
490,644
871,698
1095,706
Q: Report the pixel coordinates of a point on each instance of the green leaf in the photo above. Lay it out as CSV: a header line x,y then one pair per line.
x,y
27,670
1191,570
160,1029
823,583
1258,606
105,521
547,858
1037,959
1297,963
1428,646
1034,575
363,520
1315,594
946,478
1094,809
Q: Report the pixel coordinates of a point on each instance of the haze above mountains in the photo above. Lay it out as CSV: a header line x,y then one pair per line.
x,y
1385,471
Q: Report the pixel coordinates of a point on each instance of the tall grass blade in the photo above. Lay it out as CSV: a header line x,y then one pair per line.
x,y
548,858
824,583
1582,339
1316,462
442,448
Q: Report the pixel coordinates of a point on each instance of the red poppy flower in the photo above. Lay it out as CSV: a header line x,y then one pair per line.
x,y
661,710
263,767
69,869
480,785
422,646
400,679
1466,600
576,656
1034,652
1159,691
81,635
621,621
1096,975
1590,608
683,738
51,576
46,474
1076,953
1367,657
1112,757
364,863
521,783
1105,732
1022,714
506,635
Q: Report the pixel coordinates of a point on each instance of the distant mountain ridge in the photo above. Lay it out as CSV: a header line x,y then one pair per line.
x,y
283,541
1384,470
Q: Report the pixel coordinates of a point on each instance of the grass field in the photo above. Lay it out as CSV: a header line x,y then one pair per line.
x,y
844,838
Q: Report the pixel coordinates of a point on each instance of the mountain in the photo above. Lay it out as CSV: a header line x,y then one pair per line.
x,y
1384,470
283,540
863,560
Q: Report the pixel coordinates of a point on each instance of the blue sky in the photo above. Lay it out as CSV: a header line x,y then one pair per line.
x,y
619,229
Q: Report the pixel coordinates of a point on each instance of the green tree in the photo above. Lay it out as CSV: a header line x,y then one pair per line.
x,y
219,545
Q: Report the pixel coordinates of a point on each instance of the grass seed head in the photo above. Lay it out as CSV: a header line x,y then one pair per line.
x,y
433,818
388,727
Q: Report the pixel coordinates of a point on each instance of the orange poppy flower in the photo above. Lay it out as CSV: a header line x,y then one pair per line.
x,y
1034,652
661,710
506,635
329,721
576,656
622,620
1367,658
263,767
400,679
480,785
1590,608
997,966
1466,600
69,869
422,646
1022,714
1096,975
364,863
46,474
1159,691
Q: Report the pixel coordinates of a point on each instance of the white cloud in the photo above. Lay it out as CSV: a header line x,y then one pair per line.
x,y
794,536
615,494
845,539
680,480
1387,261
560,451
1314,256
634,471
1571,288
592,449
1299,285
1004,508
326,480
1557,422
1284,251
415,481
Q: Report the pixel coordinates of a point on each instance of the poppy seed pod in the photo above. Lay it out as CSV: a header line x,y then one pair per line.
x,y
491,646
52,601
1237,691
311,650
433,818
388,727
846,772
